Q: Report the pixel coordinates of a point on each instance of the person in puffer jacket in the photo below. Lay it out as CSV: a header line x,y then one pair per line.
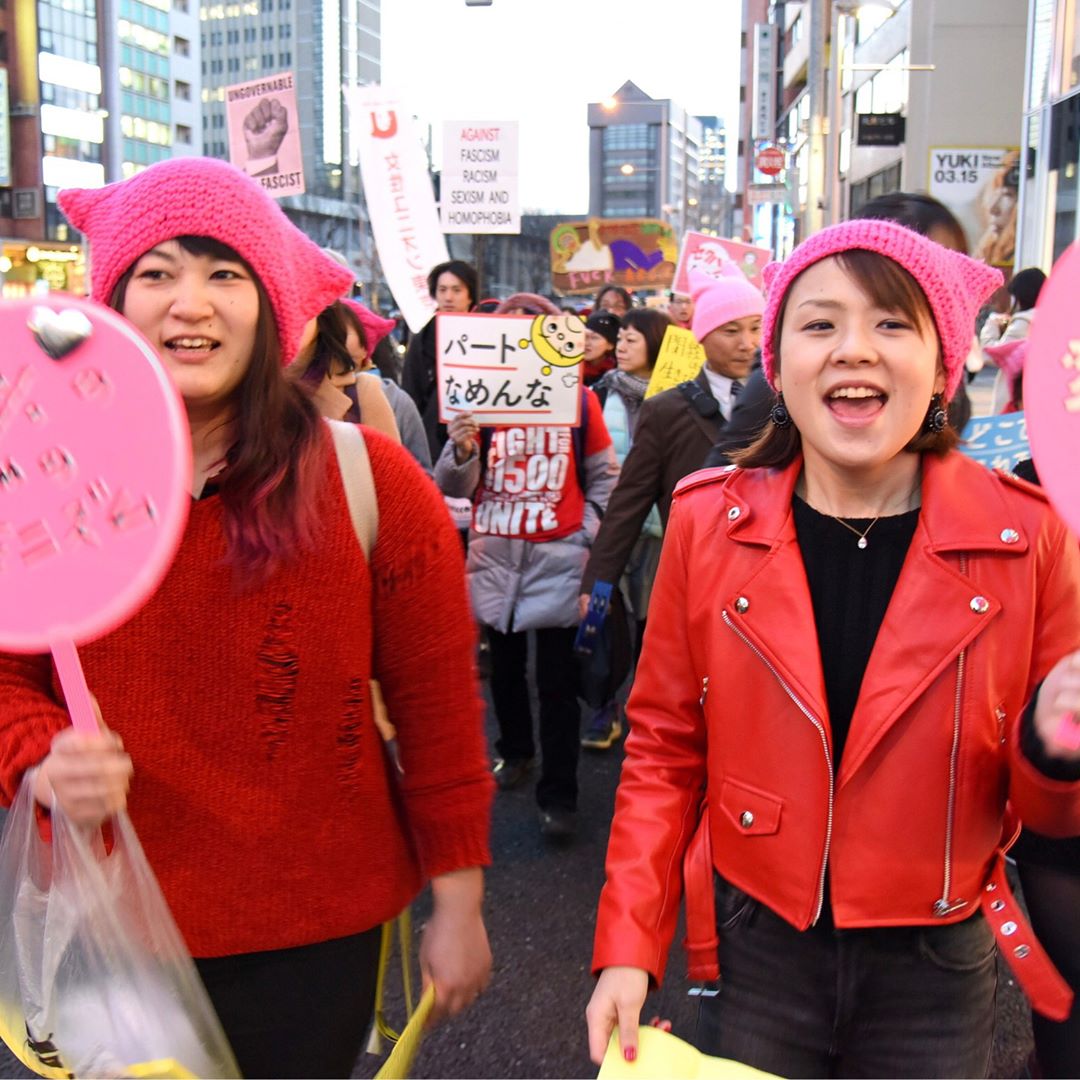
x,y
538,495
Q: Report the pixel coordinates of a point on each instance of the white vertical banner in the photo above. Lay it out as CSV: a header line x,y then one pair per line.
x,y
401,204
479,183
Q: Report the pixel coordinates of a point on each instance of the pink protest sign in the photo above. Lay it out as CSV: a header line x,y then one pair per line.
x,y
706,253
95,476
1052,404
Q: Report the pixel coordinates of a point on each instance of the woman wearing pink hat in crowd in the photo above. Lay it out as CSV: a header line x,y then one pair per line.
x,y
250,762
861,645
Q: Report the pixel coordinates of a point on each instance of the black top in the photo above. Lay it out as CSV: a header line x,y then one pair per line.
x,y
850,590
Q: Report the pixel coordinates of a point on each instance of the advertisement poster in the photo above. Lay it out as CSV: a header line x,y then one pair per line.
x,y
680,358
706,253
636,253
264,133
401,203
510,369
981,186
479,185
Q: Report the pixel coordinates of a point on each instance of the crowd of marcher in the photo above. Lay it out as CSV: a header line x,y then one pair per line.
x,y
841,649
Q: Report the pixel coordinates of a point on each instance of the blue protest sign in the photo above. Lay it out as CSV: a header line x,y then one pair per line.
x,y
998,442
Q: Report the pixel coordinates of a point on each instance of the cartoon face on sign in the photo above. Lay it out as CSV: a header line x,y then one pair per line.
x,y
559,340
95,472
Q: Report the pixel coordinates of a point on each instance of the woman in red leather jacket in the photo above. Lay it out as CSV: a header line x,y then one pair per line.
x,y
860,650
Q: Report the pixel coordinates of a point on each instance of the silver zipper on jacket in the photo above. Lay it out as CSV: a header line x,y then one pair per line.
x,y
945,906
824,745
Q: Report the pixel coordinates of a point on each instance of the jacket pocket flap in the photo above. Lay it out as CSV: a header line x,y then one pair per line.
x,y
751,811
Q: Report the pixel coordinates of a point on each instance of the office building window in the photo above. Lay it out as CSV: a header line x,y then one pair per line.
x,y
183,90
183,134
181,46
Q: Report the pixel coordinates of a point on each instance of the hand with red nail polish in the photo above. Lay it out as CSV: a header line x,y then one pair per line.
x,y
616,1001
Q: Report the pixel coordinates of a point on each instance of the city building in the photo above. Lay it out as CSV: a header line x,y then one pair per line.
x,y
712,213
643,158
328,45
894,95
1050,134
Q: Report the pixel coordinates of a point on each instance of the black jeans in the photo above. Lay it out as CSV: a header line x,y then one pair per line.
x,y
560,712
296,1012
889,1001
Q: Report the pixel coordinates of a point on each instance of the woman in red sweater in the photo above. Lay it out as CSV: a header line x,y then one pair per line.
x,y
236,715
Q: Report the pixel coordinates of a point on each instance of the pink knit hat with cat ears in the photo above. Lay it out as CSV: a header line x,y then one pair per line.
x,y
722,299
954,284
206,197
375,326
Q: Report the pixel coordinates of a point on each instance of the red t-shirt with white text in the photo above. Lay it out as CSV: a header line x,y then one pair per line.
x,y
530,488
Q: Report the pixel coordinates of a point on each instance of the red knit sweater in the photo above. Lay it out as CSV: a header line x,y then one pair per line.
x,y
261,793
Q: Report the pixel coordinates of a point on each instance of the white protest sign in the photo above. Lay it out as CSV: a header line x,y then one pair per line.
x,y
400,201
479,185
264,133
510,369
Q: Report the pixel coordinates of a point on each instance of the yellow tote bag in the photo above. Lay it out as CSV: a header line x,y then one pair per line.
x,y
661,1054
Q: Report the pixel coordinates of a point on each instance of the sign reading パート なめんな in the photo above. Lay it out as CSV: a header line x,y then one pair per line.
x,y
510,369
636,253
479,185
264,133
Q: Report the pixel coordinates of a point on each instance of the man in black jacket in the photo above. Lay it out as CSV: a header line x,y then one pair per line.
x,y
454,287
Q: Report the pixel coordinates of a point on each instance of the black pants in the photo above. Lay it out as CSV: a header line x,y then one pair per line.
x,y
296,1012
889,1001
560,712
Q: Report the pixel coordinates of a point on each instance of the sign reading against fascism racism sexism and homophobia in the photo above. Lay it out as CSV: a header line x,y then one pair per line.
x,y
401,204
981,186
264,133
95,479
636,253
510,369
479,184
680,358
707,253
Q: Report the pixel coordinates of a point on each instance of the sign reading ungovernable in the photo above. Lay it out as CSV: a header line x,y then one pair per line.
x,y
264,133
479,183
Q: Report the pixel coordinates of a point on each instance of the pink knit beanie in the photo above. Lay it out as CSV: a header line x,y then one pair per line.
x,y
529,303
719,300
955,285
375,326
207,197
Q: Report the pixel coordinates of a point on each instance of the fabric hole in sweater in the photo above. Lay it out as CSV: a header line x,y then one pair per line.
x,y
275,684
348,733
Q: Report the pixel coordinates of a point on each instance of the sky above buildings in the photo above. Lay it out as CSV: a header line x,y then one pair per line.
x,y
541,61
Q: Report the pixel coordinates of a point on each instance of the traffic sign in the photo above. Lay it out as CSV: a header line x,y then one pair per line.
x,y
770,160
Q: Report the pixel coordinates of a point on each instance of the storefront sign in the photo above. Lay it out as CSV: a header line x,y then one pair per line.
x,y
708,253
401,204
636,253
264,133
5,131
757,194
764,117
880,129
479,184
510,369
680,358
980,185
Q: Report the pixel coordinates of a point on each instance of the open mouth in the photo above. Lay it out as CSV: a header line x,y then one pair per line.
x,y
192,347
855,403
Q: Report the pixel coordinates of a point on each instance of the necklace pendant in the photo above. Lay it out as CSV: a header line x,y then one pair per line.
x,y
862,543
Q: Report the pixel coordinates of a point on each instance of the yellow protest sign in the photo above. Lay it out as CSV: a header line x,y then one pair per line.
x,y
681,357
662,1054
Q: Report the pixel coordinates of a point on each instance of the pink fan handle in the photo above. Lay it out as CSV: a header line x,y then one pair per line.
x,y
80,706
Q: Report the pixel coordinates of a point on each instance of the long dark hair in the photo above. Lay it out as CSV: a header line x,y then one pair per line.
x,y
888,286
276,466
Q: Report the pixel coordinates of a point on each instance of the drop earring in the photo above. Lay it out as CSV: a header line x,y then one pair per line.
x,y
780,416
936,416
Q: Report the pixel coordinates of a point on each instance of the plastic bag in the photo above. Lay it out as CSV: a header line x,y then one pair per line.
x,y
95,980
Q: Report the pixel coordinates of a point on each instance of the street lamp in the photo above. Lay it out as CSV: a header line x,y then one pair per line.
x,y
626,169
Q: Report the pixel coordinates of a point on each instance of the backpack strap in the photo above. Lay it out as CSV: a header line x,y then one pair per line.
x,y
358,481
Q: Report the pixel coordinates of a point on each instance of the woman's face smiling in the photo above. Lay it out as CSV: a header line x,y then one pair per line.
x,y
200,313
857,379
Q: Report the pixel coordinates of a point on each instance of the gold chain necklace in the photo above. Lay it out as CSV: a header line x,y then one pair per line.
x,y
863,544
